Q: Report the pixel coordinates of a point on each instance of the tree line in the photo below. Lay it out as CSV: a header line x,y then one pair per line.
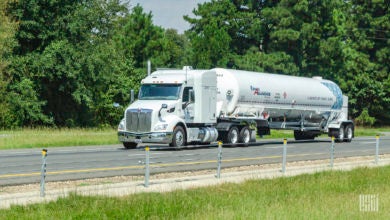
x,y
64,63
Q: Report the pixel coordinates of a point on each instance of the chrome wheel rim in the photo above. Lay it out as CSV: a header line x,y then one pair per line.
x,y
247,136
233,136
349,133
341,134
179,138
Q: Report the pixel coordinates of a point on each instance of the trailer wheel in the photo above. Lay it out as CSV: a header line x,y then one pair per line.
x,y
340,135
178,137
348,133
130,145
245,135
303,135
298,135
232,136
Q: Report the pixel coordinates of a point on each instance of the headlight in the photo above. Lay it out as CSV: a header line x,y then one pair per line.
x,y
160,127
121,126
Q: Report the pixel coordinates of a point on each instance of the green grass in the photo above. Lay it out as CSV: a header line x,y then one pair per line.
x,y
50,137
325,195
362,131
359,132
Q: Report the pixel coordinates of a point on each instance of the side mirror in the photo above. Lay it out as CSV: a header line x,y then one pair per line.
x,y
190,96
162,107
190,99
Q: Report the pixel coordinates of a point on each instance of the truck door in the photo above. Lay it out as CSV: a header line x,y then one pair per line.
x,y
188,102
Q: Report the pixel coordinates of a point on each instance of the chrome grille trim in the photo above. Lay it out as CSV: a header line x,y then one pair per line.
x,y
138,120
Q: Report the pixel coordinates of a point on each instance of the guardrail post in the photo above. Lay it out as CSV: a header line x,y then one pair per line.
x,y
284,155
377,150
147,172
43,172
332,153
219,159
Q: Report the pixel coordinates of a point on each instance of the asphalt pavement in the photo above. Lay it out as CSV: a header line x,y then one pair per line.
x,y
70,163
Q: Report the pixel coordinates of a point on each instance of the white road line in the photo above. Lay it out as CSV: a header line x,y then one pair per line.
x,y
364,143
137,155
281,146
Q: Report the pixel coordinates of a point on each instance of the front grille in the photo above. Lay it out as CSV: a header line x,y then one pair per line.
x,y
138,120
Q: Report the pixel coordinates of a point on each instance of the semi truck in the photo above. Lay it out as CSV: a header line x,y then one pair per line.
x,y
187,106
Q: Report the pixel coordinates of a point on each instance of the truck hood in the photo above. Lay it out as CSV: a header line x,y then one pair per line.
x,y
152,104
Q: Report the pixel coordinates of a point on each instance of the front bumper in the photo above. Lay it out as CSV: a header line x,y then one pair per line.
x,y
150,137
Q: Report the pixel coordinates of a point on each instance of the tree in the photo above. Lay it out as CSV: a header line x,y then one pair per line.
x,y
344,41
175,49
365,55
7,42
69,63
219,30
138,37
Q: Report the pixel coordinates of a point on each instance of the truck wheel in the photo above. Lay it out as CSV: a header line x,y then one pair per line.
x,y
340,136
179,137
245,135
298,135
232,136
348,133
303,135
130,145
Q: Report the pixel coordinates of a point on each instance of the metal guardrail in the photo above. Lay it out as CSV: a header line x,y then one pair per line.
x,y
147,161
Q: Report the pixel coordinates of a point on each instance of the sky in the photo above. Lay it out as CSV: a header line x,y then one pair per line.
x,y
169,13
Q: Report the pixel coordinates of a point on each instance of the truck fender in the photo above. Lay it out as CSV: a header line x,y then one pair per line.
x,y
173,121
340,124
224,126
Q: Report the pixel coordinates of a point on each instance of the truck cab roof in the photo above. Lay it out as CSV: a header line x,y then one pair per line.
x,y
171,76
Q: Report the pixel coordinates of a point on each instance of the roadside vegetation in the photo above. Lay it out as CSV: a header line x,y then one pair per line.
x,y
72,63
50,137
325,195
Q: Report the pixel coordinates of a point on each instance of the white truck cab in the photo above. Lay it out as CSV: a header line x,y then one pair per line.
x,y
173,107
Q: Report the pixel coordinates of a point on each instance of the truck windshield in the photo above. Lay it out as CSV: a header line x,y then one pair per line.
x,y
159,92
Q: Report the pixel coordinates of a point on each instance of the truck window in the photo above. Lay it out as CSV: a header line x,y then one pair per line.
x,y
185,95
159,92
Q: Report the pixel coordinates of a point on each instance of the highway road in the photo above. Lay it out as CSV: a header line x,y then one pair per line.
x,y
69,163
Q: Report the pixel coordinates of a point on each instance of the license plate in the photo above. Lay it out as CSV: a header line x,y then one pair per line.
x,y
138,141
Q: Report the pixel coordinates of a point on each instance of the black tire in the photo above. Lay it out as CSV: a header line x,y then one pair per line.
x,y
222,135
130,145
245,135
348,133
304,135
298,135
178,137
340,134
232,136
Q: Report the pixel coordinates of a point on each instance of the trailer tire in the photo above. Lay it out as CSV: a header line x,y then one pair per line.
x,y
348,133
245,135
232,136
130,145
298,135
302,135
178,137
340,135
